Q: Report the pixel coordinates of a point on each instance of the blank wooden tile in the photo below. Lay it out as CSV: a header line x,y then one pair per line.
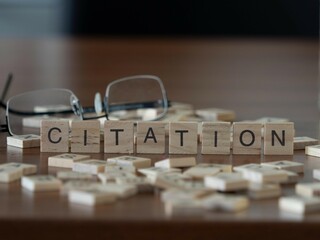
x,y
66,160
137,162
85,136
247,138
151,137
92,166
39,183
286,165
10,174
278,138
183,138
308,189
54,136
176,162
299,204
91,197
27,169
118,137
313,150
226,182
24,141
215,138
300,143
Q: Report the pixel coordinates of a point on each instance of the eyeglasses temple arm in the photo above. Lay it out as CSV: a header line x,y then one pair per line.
x,y
6,87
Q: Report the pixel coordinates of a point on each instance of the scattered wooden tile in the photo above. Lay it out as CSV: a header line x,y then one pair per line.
x,y
176,162
278,138
308,189
151,137
121,190
85,136
67,176
313,150
249,166
54,136
66,160
225,203
222,167
316,174
292,177
118,137
10,174
91,197
265,175
263,191
108,177
119,168
178,194
226,182
286,165
27,169
201,170
183,138
216,138
78,185
24,141
246,138
183,207
300,143
92,166
177,181
216,114
137,162
154,171
299,204
142,183
39,183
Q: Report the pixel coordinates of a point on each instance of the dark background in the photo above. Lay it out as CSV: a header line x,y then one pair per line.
x,y
293,18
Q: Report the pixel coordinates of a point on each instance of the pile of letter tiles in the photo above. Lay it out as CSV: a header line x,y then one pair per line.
x,y
185,185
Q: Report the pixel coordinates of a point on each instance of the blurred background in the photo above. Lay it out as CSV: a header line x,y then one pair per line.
x,y
208,53
276,18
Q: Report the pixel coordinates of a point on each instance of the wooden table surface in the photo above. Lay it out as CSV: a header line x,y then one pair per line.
x,y
253,77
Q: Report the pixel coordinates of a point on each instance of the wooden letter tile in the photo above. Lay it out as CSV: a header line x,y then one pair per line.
x,y
183,138
85,136
278,138
301,142
92,166
66,160
215,138
151,137
137,162
54,136
118,137
41,183
24,141
247,138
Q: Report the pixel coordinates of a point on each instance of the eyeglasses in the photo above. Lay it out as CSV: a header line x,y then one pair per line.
x,y
141,97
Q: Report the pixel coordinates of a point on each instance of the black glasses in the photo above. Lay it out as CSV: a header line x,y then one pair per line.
x,y
141,97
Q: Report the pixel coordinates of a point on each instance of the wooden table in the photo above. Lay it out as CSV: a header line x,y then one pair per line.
x,y
254,77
